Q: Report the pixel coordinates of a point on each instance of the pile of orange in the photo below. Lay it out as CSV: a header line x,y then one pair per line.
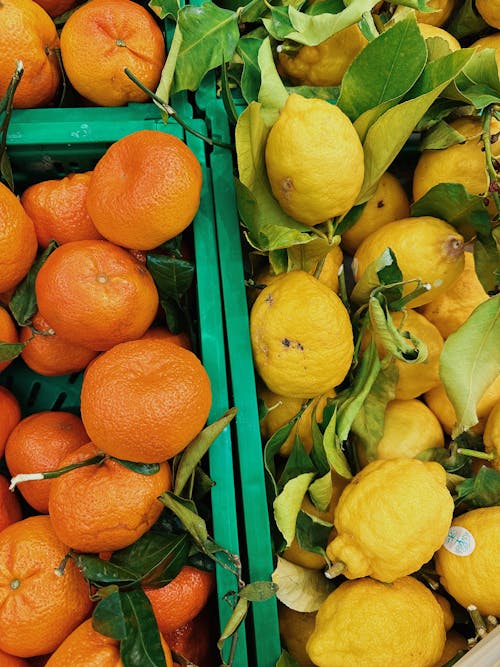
x,y
145,395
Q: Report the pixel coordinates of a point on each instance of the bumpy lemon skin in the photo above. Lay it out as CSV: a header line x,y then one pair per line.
x,y
490,11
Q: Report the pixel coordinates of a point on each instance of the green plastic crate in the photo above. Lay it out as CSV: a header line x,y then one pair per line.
x,y
49,143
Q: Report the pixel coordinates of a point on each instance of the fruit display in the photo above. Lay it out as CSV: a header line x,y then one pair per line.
x,y
349,156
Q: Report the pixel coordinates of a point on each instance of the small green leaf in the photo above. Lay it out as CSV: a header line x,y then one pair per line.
x,y
164,8
482,490
300,588
248,50
470,361
312,533
272,447
108,617
466,21
321,491
285,659
305,257
9,351
258,591
441,136
141,646
396,340
173,276
185,511
227,97
140,468
272,93
287,504
487,261
297,463
332,444
103,572
167,75
234,622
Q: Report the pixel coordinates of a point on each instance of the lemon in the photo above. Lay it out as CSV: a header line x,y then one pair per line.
x,y
281,410
468,563
490,42
409,428
437,18
295,629
324,64
415,379
425,247
438,401
314,160
301,335
492,434
461,163
427,30
389,203
455,642
449,619
365,623
391,518
452,308
490,11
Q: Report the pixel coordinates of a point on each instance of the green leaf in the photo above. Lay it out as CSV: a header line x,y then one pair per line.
x,y
396,340
328,93
142,645
6,170
441,136
108,617
332,444
317,453
272,93
173,276
465,21
167,75
164,8
9,351
387,136
258,591
234,622
104,572
23,302
312,534
324,7
185,511
272,447
287,504
297,463
370,279
470,362
479,81
285,659
321,491
252,11
385,69
487,260
482,490
197,448
209,33
300,588
248,50
140,468
305,257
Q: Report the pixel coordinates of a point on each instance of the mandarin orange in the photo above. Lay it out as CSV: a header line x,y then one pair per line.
x,y
8,333
10,414
10,509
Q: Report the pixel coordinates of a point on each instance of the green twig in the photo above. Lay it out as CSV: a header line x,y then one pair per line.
x,y
485,456
52,474
6,106
493,177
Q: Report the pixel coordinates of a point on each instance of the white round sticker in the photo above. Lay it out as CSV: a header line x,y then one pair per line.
x,y
460,541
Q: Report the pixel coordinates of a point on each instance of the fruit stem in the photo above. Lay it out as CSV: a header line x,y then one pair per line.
x,y
476,454
173,113
335,569
6,106
478,621
493,177
51,474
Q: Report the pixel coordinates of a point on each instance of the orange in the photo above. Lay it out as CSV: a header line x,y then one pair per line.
x,y
38,444
100,39
8,333
182,599
145,400
57,7
195,640
7,660
85,647
10,414
49,354
161,333
39,607
18,244
95,294
107,506
145,189
58,210
10,509
27,33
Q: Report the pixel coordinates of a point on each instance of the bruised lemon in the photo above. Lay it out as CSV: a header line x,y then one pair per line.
x,y
314,160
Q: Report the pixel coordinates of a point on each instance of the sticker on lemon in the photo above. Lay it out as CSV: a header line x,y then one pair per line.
x,y
314,160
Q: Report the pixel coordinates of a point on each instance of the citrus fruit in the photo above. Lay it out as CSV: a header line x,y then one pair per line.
x,y
369,623
48,354
443,11
8,333
409,428
490,11
428,30
438,401
10,414
7,660
181,599
295,629
467,563
38,444
56,8
490,42
39,606
145,189
107,506
324,64
461,163
59,211
491,436
145,400
10,509
426,248
389,203
391,518
314,160
162,333
195,639
28,34
444,603
281,410
103,37
85,647
455,642
452,308
95,294
18,244
301,336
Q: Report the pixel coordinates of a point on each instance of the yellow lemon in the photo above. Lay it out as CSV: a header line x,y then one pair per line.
x,y
437,400
314,160
437,18
370,624
468,563
301,335
449,619
490,11
295,629
427,30
389,203
426,248
492,435
281,410
391,518
324,64
490,42
455,642
452,308
461,163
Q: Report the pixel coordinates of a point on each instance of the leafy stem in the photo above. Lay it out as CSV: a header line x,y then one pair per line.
x,y
6,106
493,176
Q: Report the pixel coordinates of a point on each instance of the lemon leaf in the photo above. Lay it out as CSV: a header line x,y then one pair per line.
x,y
321,491
141,647
441,136
248,50
286,660
272,93
482,490
332,444
470,362
306,256
287,505
258,591
300,588
466,21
